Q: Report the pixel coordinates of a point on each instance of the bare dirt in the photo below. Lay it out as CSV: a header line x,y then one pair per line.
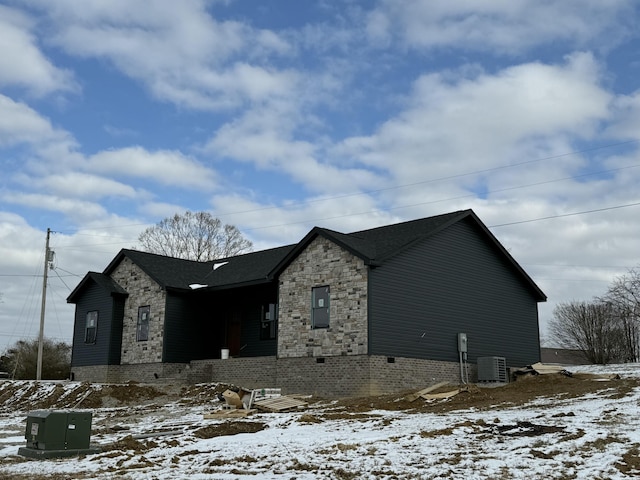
x,y
524,390
16,396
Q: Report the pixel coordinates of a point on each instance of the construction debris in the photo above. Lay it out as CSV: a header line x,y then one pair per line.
x,y
526,429
439,396
240,399
414,396
242,403
541,369
226,413
544,369
279,404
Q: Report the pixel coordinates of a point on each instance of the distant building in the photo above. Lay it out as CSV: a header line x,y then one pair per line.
x,y
563,356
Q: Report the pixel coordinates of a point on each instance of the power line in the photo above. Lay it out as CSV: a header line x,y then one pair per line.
x,y
63,282
439,179
395,187
566,215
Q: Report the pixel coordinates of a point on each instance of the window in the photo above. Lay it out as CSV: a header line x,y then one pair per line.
x,y
320,307
142,331
268,322
91,327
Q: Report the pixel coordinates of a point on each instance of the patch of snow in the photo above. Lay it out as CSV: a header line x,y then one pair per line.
x,y
595,432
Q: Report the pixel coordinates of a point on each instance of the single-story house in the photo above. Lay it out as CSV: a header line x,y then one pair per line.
x,y
379,310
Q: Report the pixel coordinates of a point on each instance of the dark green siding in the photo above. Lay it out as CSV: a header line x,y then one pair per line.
x,y
106,349
455,281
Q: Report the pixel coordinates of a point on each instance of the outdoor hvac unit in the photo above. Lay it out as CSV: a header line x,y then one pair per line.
x,y
492,369
57,433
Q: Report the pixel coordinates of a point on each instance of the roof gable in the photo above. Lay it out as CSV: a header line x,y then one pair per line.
x,y
103,281
377,245
168,272
177,273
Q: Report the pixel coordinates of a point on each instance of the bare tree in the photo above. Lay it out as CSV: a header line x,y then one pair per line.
x,y
588,326
624,298
194,236
21,359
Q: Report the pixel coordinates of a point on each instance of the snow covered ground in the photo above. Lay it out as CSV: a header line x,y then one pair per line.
x,y
594,436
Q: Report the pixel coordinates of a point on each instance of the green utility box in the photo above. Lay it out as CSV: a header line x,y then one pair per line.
x,y
57,434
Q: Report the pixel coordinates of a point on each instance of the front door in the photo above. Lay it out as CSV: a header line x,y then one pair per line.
x,y
234,332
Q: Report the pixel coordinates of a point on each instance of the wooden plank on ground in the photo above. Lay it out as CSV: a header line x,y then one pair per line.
x,y
226,413
414,396
279,404
544,369
437,396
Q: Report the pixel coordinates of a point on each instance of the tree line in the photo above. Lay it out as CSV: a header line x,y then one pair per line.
x,y
607,328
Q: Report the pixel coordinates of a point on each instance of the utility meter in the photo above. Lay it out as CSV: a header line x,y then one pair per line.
x,y
462,342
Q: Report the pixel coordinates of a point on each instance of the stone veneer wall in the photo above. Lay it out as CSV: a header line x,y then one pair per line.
x,y
323,263
142,291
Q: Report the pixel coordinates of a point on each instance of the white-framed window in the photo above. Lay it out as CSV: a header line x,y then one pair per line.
x,y
320,307
142,330
91,327
269,322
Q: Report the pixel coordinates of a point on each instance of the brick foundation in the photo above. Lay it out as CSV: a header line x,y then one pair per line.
x,y
343,376
142,372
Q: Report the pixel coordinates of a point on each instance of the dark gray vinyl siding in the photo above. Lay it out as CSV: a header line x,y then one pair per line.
x,y
195,323
251,302
106,349
117,320
252,344
184,339
454,281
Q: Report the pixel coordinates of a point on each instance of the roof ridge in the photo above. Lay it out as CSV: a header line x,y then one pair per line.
x,y
415,220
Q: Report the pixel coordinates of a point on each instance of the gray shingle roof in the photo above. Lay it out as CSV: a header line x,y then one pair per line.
x,y
176,273
102,280
374,246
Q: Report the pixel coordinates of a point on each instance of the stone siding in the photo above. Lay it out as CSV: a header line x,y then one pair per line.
x,y
142,291
323,263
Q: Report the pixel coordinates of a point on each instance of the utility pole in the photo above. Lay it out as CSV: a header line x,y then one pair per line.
x,y
47,260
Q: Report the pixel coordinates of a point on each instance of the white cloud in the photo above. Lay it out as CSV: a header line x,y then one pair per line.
x,y
21,61
484,121
627,116
178,50
170,168
265,138
22,258
19,123
78,210
81,185
499,26
275,225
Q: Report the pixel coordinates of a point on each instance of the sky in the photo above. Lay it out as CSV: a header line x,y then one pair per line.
x,y
280,116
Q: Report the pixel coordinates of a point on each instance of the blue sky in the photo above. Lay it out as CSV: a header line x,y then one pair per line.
x,y
279,116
